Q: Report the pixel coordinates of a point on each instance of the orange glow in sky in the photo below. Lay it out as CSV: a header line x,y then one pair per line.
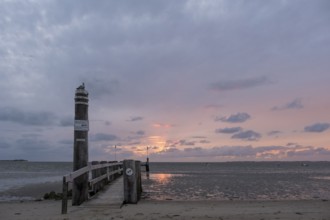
x,y
158,141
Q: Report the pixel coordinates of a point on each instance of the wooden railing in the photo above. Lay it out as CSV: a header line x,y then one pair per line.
x,y
99,175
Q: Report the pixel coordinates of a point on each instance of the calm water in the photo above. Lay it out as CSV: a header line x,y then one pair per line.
x,y
15,174
198,181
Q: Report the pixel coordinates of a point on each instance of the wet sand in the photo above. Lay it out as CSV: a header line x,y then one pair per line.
x,y
225,210
32,191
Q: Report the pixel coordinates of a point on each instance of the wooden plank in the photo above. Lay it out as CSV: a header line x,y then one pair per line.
x,y
111,196
71,176
75,174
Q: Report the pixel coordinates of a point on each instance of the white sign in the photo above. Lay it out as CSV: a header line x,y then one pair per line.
x,y
81,140
81,125
129,172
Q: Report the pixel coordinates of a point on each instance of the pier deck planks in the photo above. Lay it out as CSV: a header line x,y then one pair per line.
x,y
111,196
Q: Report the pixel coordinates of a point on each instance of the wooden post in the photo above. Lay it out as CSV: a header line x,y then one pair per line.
x,y
130,182
95,174
138,179
118,174
65,196
111,169
102,172
80,154
147,165
121,172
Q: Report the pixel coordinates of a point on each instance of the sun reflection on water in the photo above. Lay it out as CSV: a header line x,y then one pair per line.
x,y
162,178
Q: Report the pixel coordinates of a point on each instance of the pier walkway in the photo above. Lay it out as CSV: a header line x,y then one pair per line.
x,y
108,186
112,196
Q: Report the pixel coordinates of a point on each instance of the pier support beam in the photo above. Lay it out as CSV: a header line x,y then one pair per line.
x,y
132,181
80,153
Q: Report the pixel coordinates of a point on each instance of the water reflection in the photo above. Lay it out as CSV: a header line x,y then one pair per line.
x,y
160,186
160,178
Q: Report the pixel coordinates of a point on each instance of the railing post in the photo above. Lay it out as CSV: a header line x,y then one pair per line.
x,y
110,169
120,172
95,174
65,196
103,171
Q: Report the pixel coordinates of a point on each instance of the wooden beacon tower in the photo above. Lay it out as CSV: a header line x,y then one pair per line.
x,y
80,152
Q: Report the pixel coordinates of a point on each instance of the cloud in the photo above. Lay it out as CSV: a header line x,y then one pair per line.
x,y
235,118
195,149
4,144
295,104
101,87
66,142
198,137
107,123
223,151
106,152
171,150
272,133
37,149
317,127
133,143
307,152
135,118
186,143
103,137
247,135
239,84
32,144
141,133
162,125
274,152
213,107
37,118
67,121
204,142
228,130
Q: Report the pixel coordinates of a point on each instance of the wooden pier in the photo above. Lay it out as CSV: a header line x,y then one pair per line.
x,y
121,181
110,184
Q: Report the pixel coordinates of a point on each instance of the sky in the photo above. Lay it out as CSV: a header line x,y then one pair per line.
x,y
189,80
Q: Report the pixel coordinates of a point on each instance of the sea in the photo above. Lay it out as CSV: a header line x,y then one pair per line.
x,y
193,181
15,175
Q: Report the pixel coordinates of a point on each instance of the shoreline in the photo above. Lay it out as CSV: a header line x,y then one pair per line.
x,y
148,210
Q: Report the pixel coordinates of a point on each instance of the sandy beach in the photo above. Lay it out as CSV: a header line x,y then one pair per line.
x,y
233,210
